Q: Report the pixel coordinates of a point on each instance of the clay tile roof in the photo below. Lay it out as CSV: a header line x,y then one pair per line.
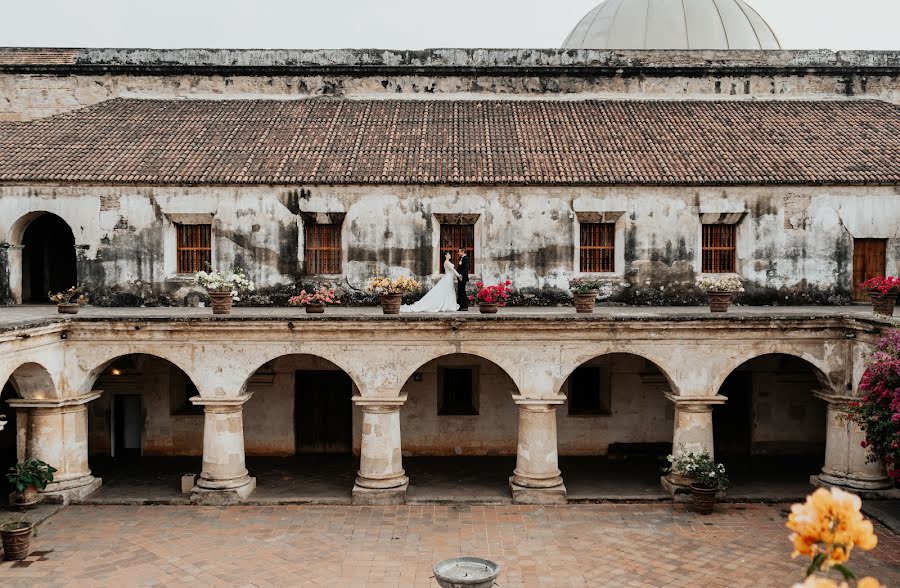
x,y
37,56
560,142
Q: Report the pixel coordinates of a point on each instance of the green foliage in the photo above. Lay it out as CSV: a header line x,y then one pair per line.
x,y
700,468
33,472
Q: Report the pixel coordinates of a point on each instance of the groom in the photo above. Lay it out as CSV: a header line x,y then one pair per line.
x,y
463,270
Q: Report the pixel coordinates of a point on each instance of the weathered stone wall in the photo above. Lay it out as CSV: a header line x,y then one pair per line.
x,y
795,245
34,89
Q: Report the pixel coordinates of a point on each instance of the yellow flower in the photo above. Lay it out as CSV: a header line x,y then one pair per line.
x,y
814,582
869,582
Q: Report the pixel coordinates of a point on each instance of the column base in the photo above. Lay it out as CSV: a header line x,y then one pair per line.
x,y
528,495
222,496
70,491
866,489
680,492
380,496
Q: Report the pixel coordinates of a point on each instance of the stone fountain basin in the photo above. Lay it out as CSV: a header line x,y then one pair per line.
x,y
466,572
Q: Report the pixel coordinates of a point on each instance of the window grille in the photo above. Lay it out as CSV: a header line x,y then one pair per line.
x,y
455,237
719,250
193,247
598,247
323,248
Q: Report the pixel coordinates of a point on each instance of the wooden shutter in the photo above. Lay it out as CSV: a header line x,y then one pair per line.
x,y
193,248
719,249
455,237
598,247
869,261
323,248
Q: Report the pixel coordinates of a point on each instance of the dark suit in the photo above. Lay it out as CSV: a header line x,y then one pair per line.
x,y
461,298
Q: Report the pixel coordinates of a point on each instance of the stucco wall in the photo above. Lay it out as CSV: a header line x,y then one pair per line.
x,y
794,244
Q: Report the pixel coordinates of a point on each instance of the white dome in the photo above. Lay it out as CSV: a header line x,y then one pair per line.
x,y
672,24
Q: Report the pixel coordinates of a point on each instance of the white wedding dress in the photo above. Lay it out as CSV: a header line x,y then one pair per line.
x,y
441,298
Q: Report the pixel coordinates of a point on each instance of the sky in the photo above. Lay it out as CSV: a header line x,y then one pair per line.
x,y
394,24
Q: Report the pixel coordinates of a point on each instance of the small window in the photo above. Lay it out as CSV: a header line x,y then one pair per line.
x,y
456,395
589,392
598,247
323,248
719,250
194,248
454,238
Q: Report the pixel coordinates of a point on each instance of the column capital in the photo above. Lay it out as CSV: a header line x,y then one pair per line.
x,y
379,404
54,402
221,401
696,403
538,403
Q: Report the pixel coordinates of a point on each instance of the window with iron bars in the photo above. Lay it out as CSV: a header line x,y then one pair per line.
x,y
193,247
719,251
323,248
454,238
598,247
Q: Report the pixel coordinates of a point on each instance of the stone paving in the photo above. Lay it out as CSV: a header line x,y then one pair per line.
x,y
585,545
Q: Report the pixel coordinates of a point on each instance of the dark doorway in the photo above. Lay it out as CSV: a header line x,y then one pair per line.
x,y
48,258
733,421
323,415
869,261
128,421
8,434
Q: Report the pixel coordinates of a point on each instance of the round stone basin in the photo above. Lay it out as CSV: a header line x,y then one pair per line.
x,y
466,572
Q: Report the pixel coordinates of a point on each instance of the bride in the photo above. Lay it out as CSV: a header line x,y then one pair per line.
x,y
442,297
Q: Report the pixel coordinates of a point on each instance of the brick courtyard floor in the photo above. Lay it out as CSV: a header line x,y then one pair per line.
x,y
584,545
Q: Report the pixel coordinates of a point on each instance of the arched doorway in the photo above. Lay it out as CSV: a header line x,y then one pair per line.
x,y
770,433
8,446
48,258
615,429
459,429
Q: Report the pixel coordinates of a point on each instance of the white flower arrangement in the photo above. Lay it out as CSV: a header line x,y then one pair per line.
x,y
234,281
722,284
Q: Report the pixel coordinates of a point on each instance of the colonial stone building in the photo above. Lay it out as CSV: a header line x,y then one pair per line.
x,y
646,163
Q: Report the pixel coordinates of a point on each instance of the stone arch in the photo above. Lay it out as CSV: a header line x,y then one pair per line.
x,y
581,359
816,365
31,380
49,258
412,366
88,382
258,364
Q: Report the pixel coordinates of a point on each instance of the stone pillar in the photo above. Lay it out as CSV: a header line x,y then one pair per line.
x,y
57,434
381,478
693,432
846,460
224,478
536,479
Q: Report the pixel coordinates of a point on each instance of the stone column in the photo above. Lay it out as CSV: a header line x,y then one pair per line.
x,y
224,478
846,460
381,478
57,434
693,432
536,479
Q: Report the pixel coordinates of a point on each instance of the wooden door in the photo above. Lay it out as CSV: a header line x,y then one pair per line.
x,y
323,415
869,260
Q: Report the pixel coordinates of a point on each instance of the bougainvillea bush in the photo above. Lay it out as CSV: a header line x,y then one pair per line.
x,y
492,294
888,285
878,412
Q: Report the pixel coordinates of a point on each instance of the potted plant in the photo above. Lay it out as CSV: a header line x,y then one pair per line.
x,y
883,293
68,301
490,298
16,537
392,291
27,478
314,301
707,478
223,289
720,291
585,291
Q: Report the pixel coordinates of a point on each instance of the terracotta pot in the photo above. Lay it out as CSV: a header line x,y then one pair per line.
x,y
390,303
26,497
719,301
488,308
221,302
883,303
17,542
585,302
315,308
704,499
67,308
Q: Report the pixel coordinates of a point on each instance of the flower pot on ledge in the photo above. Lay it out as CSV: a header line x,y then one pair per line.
x,y
221,302
67,308
882,303
488,307
390,303
315,308
719,301
585,301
